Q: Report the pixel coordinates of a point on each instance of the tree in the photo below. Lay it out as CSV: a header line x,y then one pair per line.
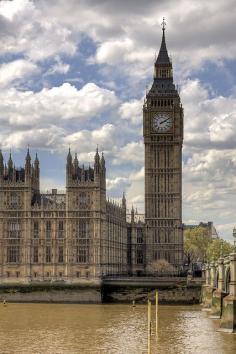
x,y
196,242
218,247
161,267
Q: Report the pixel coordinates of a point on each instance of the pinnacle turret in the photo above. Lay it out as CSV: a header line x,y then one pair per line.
x,y
132,214
124,201
76,164
102,161
10,163
69,168
1,164
83,174
103,165
36,170
28,167
69,157
28,158
36,161
97,162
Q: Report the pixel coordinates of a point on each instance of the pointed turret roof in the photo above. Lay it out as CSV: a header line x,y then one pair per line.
x,y
76,161
10,162
36,161
163,57
103,161
1,163
28,157
97,159
69,156
124,200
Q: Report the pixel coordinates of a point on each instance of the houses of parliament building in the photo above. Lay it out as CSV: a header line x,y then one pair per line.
x,y
80,234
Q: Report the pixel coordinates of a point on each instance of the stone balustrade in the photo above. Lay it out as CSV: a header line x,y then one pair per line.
x,y
219,291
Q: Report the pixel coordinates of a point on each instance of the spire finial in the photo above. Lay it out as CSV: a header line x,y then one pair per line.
x,y
163,24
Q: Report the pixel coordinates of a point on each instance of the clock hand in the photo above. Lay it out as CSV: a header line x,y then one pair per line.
x,y
164,120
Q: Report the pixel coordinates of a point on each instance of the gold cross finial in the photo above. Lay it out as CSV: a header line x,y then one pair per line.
x,y
163,24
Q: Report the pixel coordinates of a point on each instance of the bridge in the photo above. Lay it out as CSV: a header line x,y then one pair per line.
x,y
219,291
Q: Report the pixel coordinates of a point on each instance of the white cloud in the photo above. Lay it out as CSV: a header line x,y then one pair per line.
x,y
210,122
223,128
127,34
29,31
9,9
55,104
132,152
116,186
47,138
111,52
138,175
132,111
85,141
226,229
58,68
16,70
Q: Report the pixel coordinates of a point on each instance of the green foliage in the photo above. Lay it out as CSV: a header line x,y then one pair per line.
x,y
198,245
217,247
161,266
196,242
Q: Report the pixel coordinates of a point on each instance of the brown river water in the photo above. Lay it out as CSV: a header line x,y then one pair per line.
x,y
109,329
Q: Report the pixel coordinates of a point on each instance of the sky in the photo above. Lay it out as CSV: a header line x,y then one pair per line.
x,y
75,73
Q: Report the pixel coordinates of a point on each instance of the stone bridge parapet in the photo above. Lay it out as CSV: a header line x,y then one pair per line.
x,y
219,291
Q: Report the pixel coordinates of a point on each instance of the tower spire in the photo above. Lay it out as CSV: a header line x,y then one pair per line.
x,y
163,65
163,57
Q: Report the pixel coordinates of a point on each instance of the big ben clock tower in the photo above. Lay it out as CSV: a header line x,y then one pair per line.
x,y
163,138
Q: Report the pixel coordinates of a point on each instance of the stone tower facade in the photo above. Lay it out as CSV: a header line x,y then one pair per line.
x,y
163,138
59,236
79,233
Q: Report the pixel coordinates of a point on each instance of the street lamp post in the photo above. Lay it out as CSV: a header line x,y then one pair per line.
x,y
234,236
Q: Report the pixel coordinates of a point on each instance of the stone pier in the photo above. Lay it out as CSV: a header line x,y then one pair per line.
x,y
219,293
207,289
228,318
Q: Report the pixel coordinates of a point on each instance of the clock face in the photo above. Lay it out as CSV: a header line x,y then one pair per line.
x,y
162,122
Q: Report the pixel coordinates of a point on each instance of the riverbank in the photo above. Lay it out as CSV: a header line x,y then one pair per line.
x,y
171,291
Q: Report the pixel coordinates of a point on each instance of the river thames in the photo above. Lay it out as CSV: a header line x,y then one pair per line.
x,y
108,329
